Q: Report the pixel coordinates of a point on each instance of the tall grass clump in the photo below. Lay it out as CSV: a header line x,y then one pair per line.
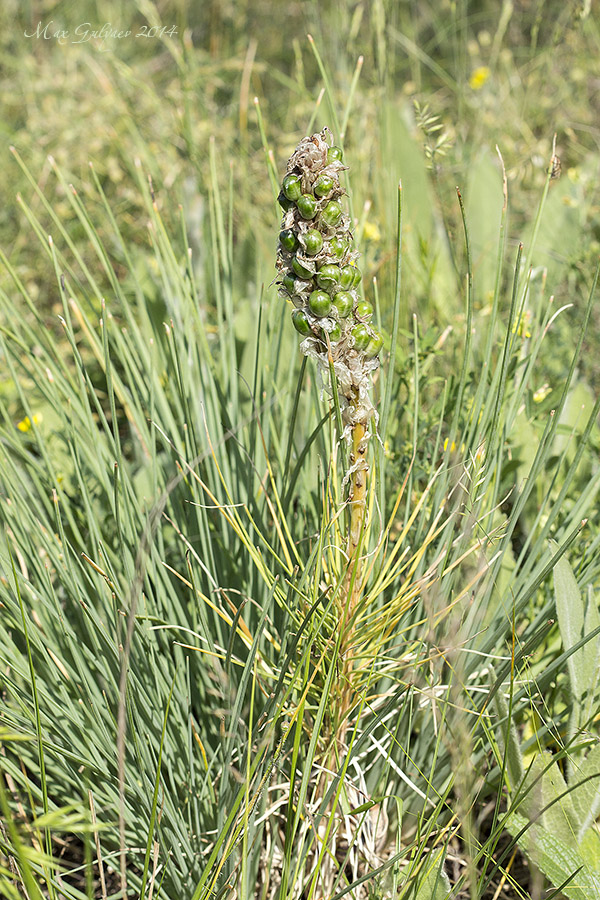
x,y
284,627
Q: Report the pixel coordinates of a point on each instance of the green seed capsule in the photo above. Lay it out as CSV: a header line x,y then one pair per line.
x,y
338,247
332,213
307,206
357,275
363,310
289,283
328,276
320,303
287,239
283,201
300,270
313,241
300,320
334,334
324,185
294,285
374,346
292,187
343,302
347,277
361,336
334,154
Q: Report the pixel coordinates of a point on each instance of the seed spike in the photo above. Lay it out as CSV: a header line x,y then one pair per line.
x,y
318,275
316,260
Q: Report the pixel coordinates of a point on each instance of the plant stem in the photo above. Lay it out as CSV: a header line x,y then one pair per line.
x,y
353,578
357,499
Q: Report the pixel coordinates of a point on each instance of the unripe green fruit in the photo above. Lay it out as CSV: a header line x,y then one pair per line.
x,y
347,276
363,310
300,270
357,275
374,346
287,239
300,320
361,336
307,206
284,202
328,276
292,284
334,335
313,241
292,187
332,213
338,247
320,303
289,283
324,185
334,154
343,302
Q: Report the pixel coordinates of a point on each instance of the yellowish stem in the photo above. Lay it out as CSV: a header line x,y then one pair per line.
x,y
358,503
353,578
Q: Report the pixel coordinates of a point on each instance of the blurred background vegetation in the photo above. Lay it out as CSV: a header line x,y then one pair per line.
x,y
509,74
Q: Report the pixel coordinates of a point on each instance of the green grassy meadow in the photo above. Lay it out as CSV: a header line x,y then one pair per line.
x,y
191,708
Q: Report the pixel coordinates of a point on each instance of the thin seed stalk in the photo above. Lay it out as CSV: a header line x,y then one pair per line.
x,y
358,502
357,498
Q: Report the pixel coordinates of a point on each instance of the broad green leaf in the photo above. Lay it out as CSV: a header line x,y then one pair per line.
x,y
436,884
511,749
484,210
590,849
557,860
559,236
585,781
575,619
592,621
573,418
549,793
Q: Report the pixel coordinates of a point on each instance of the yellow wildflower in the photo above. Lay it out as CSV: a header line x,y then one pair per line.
x,y
521,326
387,451
478,78
371,232
26,423
541,393
453,446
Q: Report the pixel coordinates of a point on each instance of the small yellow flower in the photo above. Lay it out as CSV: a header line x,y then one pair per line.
x,y
453,446
371,232
26,423
478,78
387,451
521,326
541,393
